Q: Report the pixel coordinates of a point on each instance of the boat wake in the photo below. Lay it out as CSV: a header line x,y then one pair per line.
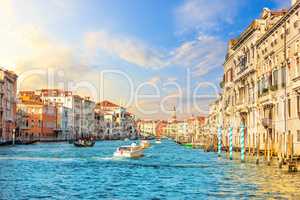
x,y
160,165
37,158
105,158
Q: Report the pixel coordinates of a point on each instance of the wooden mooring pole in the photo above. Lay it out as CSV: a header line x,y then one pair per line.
x,y
242,132
230,144
257,148
219,141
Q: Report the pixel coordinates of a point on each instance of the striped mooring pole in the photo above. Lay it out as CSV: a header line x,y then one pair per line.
x,y
230,143
219,141
242,143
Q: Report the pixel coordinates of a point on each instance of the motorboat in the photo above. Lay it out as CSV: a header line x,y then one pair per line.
x,y
130,151
158,141
84,143
145,144
188,145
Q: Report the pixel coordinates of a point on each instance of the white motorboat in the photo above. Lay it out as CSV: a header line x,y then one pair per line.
x,y
145,144
132,151
158,141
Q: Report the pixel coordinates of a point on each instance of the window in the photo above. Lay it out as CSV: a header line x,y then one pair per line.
x,y
275,78
259,87
283,76
289,107
298,135
298,105
296,24
298,65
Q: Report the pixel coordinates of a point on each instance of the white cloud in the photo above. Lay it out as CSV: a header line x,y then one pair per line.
x,y
154,80
204,14
201,55
130,50
27,44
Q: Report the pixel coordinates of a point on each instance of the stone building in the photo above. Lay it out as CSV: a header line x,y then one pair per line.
x,y
8,89
278,72
74,105
88,117
114,121
36,120
261,84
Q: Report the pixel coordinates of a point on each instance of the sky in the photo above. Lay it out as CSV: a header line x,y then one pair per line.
x,y
148,56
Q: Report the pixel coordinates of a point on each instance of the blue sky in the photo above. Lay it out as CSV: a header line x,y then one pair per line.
x,y
154,43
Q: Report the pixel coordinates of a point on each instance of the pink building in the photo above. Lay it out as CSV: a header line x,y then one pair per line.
x,y
8,90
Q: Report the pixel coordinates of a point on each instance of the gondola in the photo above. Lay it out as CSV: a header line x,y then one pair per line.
x,y
26,142
84,143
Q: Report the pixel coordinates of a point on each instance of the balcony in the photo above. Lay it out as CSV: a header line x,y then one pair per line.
x,y
229,85
264,92
274,87
267,122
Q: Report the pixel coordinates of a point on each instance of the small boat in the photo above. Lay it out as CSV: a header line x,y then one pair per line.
x,y
158,141
84,143
145,144
26,142
132,151
188,145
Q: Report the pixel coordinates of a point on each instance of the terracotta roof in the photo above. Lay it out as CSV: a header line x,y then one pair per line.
x,y
278,12
31,103
55,92
107,104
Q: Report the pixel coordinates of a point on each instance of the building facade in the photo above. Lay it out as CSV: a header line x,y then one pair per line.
x,y
36,121
261,85
114,121
8,90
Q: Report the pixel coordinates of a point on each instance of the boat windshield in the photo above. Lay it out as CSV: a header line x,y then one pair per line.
x,y
125,148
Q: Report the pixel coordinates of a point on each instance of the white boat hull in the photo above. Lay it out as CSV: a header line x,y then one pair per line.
x,y
129,154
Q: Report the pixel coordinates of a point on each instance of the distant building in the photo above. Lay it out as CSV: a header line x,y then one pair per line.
x,y
80,115
113,121
8,89
36,120
148,127
88,117
63,114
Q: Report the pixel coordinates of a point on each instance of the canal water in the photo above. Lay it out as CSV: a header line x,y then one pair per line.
x,y
168,171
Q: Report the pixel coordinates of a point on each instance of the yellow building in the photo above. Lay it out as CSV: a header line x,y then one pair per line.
x,y
261,84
